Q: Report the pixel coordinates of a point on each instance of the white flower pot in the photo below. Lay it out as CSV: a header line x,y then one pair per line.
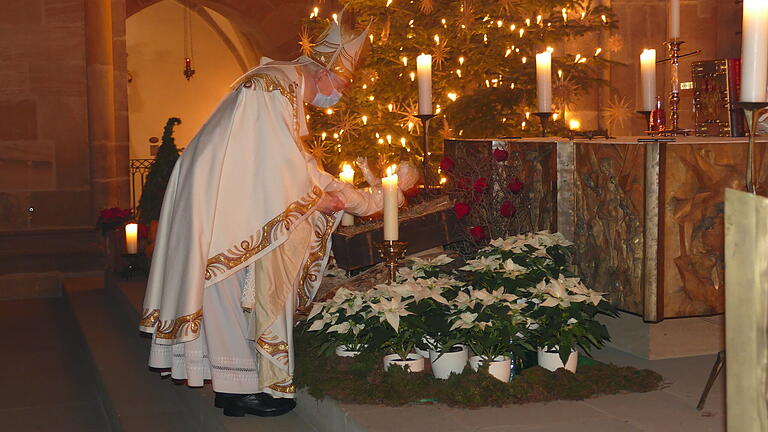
x,y
345,351
415,362
500,368
424,353
448,363
550,359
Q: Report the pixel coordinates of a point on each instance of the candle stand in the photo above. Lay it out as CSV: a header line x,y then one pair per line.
x,y
751,111
391,252
674,94
135,266
544,117
425,118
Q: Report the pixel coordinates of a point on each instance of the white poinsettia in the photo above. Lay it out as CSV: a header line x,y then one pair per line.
x,y
317,307
547,238
324,319
511,269
391,310
342,327
487,298
409,274
428,263
463,301
353,306
429,288
575,285
490,263
342,294
464,320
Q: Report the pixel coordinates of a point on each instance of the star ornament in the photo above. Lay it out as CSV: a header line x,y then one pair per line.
x,y
440,53
618,112
305,41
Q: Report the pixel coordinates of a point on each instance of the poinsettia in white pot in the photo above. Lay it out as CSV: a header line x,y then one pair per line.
x,y
565,311
494,327
343,322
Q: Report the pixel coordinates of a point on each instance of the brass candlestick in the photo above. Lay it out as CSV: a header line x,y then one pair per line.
x,y
674,94
544,117
425,118
751,111
391,252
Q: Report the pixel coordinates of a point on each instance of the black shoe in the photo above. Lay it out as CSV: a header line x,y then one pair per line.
x,y
221,398
259,404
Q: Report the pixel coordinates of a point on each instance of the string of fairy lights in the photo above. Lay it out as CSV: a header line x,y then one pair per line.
x,y
376,112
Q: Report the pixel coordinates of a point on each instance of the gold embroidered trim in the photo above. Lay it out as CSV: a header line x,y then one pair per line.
x,y
284,387
188,324
311,272
238,254
265,82
273,348
149,317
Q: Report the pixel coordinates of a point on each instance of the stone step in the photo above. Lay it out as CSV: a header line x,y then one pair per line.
x,y
135,397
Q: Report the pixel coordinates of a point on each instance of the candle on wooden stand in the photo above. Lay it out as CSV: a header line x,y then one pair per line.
x,y
648,78
424,77
132,238
347,175
389,183
544,80
754,51
674,19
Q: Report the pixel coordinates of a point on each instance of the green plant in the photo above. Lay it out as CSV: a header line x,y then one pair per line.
x,y
157,180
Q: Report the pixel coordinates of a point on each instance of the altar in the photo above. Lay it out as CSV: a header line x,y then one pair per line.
x,y
646,215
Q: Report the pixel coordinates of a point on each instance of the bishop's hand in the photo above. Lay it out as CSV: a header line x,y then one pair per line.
x,y
330,203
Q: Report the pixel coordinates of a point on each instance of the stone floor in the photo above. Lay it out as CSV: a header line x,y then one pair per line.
x,y
46,381
48,385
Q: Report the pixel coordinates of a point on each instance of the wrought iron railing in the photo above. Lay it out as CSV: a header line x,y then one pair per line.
x,y
139,168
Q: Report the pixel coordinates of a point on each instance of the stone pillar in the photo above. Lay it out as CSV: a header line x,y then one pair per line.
x,y
108,188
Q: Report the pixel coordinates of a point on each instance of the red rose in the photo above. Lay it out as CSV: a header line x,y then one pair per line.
x,y
447,164
508,209
480,185
477,232
463,183
461,209
500,155
515,185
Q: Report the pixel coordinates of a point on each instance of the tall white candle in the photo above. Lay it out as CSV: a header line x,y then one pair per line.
x,y
544,80
424,76
754,51
389,183
347,175
132,238
648,79
674,19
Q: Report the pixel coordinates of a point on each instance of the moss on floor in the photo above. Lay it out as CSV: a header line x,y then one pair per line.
x,y
362,380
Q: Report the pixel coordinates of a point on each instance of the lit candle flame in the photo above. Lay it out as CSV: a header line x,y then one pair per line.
x,y
391,170
574,124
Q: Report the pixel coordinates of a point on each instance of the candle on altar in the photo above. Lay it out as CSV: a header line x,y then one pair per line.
x,y
648,79
574,125
544,80
132,238
347,175
674,19
754,51
389,184
424,75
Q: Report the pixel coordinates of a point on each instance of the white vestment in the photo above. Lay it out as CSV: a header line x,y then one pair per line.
x,y
240,209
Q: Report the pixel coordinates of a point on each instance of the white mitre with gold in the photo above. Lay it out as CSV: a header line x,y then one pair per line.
x,y
338,49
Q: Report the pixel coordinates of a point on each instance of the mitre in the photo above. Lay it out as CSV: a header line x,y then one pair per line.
x,y
338,49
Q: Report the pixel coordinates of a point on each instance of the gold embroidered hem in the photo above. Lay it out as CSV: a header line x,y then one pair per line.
x,y
188,324
284,387
238,254
149,318
310,275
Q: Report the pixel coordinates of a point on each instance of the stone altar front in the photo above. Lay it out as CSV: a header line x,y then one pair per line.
x,y
646,216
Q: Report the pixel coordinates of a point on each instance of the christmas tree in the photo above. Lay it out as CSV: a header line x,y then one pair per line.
x,y
483,72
